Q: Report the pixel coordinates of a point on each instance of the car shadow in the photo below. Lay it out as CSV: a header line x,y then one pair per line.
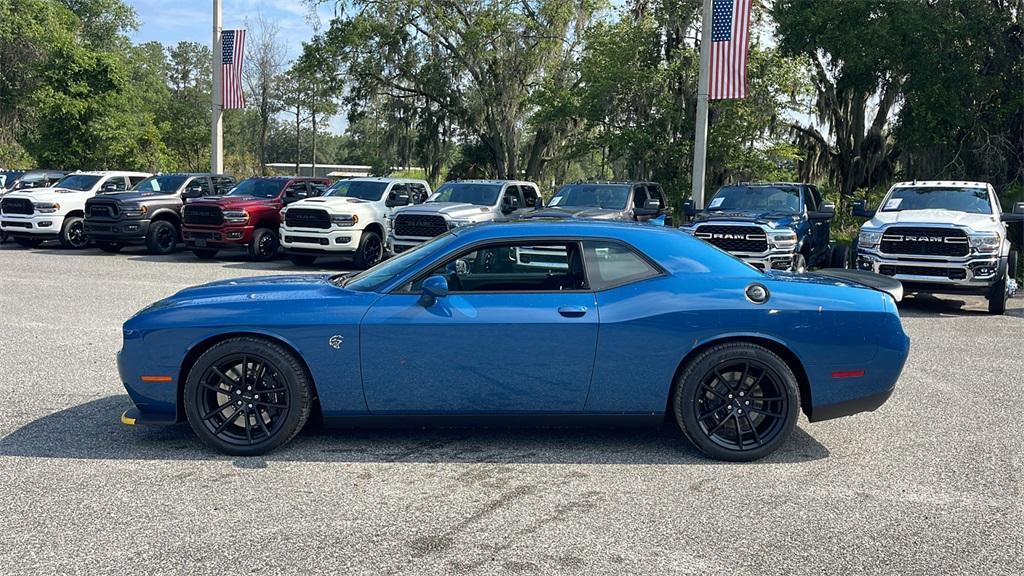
x,y
92,431
929,305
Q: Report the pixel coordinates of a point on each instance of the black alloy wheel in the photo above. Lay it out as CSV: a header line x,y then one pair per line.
x,y
737,401
72,235
161,238
264,245
371,250
247,396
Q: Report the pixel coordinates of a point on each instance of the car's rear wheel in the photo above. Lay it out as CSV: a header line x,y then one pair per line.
x,y
799,263
302,259
737,401
161,238
109,247
204,253
28,242
264,245
72,234
246,396
371,250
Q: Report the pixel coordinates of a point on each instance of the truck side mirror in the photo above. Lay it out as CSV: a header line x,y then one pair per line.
x,y
652,205
860,209
509,204
397,198
192,192
1017,215
827,210
689,209
538,203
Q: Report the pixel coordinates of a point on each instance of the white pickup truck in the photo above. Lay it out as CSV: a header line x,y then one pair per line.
x,y
350,218
57,213
942,237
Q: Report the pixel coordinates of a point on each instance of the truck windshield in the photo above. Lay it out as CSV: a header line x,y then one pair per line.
x,y
610,196
468,193
80,182
971,200
785,199
388,270
362,189
164,184
258,187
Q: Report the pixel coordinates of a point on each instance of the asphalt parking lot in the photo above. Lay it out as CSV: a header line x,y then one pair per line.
x,y
931,483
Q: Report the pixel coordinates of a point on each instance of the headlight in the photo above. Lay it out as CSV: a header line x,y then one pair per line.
x,y
46,207
869,239
344,219
236,216
137,212
985,242
783,238
457,223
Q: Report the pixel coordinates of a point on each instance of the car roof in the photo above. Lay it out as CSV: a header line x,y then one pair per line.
x,y
619,182
109,173
486,181
560,227
382,179
940,184
767,184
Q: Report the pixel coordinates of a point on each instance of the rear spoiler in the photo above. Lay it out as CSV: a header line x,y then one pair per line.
x,y
886,284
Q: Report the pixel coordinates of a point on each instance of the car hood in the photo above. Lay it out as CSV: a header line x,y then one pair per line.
x,y
766,217
46,194
291,287
979,222
132,197
454,210
232,202
335,203
576,212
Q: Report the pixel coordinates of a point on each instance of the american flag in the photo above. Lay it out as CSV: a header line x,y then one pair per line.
x,y
232,47
730,35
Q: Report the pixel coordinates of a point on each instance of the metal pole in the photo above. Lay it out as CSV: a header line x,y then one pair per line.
x,y
216,120
700,145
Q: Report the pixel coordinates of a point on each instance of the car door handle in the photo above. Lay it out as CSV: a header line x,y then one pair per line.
x,y
572,311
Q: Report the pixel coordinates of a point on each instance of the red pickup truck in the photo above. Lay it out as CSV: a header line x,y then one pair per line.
x,y
246,217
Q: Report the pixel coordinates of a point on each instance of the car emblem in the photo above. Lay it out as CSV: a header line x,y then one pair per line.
x,y
336,341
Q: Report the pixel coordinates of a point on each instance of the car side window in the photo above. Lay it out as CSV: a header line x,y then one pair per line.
x,y
511,198
295,191
530,196
639,196
114,184
514,267
317,189
418,193
811,199
610,264
655,193
133,180
202,183
222,184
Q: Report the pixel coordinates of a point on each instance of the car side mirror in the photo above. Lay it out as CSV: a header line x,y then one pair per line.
x,y
509,204
689,209
192,192
652,205
826,210
1017,215
109,187
433,288
538,203
860,209
397,198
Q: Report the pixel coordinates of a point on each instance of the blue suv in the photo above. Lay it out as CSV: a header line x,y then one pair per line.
x,y
777,225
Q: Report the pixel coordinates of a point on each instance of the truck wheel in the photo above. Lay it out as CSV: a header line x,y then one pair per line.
x,y
109,247
302,259
1011,264
737,401
840,257
264,245
799,264
72,234
371,250
3,237
161,238
204,253
997,297
28,242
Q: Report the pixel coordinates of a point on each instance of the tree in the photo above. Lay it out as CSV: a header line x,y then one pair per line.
x,y
265,59
189,79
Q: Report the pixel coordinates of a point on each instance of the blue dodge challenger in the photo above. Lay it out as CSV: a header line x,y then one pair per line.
x,y
527,322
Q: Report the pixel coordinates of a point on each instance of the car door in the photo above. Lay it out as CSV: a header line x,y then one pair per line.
x,y
506,339
820,225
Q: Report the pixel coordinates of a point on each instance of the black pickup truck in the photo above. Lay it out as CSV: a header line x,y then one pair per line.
x,y
149,213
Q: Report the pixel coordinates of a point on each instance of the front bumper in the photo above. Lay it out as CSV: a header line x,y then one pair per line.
x,y
219,237
773,260
318,240
397,245
974,273
33,226
117,231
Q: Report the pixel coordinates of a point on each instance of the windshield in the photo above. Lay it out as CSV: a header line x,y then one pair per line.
x,y
388,270
362,189
259,187
165,184
785,199
467,193
971,200
609,196
79,182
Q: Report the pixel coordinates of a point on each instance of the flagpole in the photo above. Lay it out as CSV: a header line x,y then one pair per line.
x,y
700,151
216,120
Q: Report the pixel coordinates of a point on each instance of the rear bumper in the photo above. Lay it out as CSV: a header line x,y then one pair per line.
x,y
135,417
849,407
117,231
222,237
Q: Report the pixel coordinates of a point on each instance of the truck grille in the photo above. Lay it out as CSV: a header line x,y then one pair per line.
x,y
924,241
306,218
734,238
101,209
420,225
200,215
16,206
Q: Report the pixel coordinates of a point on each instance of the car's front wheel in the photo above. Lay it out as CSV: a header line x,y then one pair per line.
x,y
247,396
72,234
264,245
371,250
161,238
737,401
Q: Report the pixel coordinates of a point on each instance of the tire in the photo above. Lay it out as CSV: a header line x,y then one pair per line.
x,y
273,396
799,265
28,242
997,297
720,384
72,233
1011,264
204,253
109,247
3,237
263,246
302,259
840,257
371,250
161,238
